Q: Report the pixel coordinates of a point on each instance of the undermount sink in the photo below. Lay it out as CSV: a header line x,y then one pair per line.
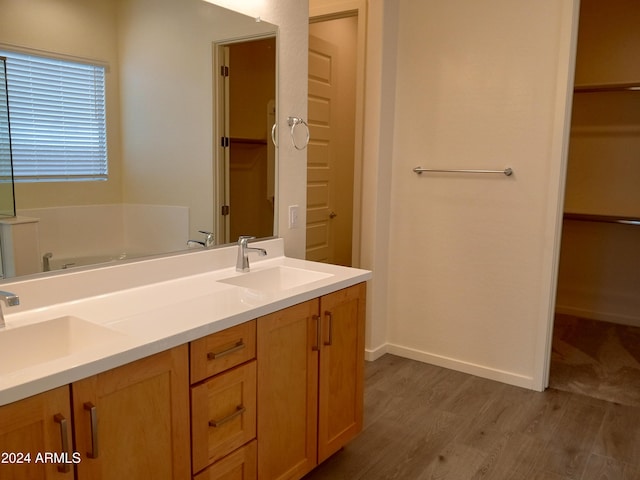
x,y
42,342
275,279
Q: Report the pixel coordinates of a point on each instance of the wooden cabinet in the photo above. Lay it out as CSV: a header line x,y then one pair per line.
x,y
223,405
287,391
310,382
35,426
269,398
129,422
341,390
133,421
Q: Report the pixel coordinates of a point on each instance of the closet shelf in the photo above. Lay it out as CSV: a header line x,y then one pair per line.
x,y
257,141
608,87
583,217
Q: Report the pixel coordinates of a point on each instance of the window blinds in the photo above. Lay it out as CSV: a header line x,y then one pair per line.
x,y
57,114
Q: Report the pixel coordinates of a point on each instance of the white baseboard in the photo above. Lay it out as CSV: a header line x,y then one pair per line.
x,y
503,376
372,355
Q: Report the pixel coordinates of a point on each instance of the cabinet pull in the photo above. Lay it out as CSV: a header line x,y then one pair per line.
x,y
316,347
64,437
240,409
93,415
214,355
328,314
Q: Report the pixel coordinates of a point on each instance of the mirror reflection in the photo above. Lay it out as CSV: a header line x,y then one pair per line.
x,y
188,149
7,204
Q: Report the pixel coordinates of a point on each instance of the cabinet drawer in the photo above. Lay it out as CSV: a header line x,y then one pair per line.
x,y
223,350
223,414
239,465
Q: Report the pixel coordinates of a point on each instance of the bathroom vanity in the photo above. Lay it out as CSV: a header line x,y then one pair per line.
x,y
204,373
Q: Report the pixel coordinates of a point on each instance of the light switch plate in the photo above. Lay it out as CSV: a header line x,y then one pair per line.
x,y
293,216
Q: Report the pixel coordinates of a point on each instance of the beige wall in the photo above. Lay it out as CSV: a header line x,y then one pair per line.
x,y
605,131
80,28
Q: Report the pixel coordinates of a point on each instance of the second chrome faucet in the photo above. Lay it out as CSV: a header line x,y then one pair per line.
x,y
242,264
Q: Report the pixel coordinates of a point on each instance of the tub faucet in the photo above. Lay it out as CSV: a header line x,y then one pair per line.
x,y
46,262
242,265
11,300
209,240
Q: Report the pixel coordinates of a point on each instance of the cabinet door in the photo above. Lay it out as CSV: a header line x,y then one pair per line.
x,y
341,369
287,391
133,421
36,426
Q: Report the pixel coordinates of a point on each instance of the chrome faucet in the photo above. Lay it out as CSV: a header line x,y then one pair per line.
x,y
11,300
242,265
209,240
46,262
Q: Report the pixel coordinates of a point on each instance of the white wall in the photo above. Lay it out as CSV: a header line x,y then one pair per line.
x,y
472,258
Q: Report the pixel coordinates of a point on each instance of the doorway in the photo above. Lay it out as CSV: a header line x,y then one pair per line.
x,y
331,157
596,341
246,165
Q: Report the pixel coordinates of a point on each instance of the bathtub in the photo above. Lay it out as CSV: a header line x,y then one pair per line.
x,y
51,262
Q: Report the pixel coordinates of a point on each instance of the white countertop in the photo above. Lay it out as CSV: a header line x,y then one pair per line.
x,y
149,316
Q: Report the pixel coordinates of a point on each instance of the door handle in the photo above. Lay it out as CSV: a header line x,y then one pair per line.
x,y
64,436
333,214
93,416
329,315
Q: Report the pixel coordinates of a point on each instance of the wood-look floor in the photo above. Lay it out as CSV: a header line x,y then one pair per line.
x,y
425,422
598,359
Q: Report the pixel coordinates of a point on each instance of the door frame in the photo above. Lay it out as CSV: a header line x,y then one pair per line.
x,y
342,9
220,52
559,151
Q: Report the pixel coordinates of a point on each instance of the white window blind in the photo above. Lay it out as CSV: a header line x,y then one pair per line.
x,y
57,114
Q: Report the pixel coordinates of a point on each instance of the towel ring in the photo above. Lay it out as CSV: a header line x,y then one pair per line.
x,y
293,123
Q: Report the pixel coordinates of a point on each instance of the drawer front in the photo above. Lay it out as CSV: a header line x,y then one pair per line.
x,y
223,414
223,350
240,465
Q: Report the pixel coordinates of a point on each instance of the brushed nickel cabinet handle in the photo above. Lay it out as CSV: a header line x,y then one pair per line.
x,y
328,314
316,347
64,437
240,409
93,415
214,355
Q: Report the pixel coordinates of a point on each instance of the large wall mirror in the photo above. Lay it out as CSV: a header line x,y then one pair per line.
x,y
189,149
